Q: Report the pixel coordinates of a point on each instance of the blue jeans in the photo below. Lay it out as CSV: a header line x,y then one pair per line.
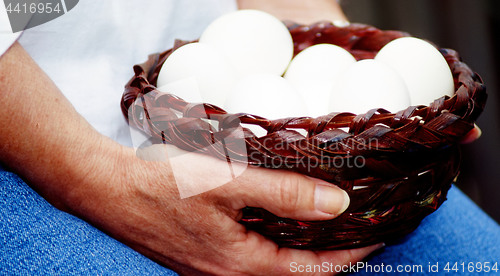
x,y
36,238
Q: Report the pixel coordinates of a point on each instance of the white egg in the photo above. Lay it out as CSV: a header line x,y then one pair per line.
x,y
188,89
313,71
214,75
253,41
265,95
423,68
369,84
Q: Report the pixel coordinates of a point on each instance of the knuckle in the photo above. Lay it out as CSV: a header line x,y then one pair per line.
x,y
288,191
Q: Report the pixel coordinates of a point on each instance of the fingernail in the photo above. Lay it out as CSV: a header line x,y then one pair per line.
x,y
330,200
479,131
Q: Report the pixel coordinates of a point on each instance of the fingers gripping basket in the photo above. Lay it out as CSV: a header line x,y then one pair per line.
x,y
409,159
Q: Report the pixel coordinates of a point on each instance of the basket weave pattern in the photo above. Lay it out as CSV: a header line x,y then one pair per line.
x,y
410,157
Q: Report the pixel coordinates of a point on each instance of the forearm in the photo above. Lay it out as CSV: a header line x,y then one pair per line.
x,y
43,138
300,11
47,142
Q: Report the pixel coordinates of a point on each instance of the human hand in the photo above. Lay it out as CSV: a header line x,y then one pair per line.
x,y
141,206
79,170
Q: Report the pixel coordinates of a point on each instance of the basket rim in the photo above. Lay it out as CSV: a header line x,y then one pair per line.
x,y
444,121
423,131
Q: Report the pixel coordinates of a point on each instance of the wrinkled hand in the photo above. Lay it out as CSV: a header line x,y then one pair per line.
x,y
200,234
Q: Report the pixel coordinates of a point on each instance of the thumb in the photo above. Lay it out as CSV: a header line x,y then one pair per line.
x,y
288,194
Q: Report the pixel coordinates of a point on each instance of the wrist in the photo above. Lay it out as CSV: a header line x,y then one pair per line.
x,y
115,175
82,170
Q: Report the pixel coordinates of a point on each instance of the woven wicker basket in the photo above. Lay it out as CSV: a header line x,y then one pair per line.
x,y
410,158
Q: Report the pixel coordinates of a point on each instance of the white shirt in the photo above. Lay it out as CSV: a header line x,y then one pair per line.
x,y
89,52
7,38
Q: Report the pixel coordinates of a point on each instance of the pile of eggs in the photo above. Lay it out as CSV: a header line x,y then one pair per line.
x,y
243,63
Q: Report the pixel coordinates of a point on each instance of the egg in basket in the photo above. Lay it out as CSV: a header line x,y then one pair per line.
x,y
377,113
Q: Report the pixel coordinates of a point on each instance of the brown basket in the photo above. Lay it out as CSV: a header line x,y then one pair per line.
x,y
410,157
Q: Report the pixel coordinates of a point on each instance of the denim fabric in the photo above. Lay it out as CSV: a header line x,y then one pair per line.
x,y
36,238
459,231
